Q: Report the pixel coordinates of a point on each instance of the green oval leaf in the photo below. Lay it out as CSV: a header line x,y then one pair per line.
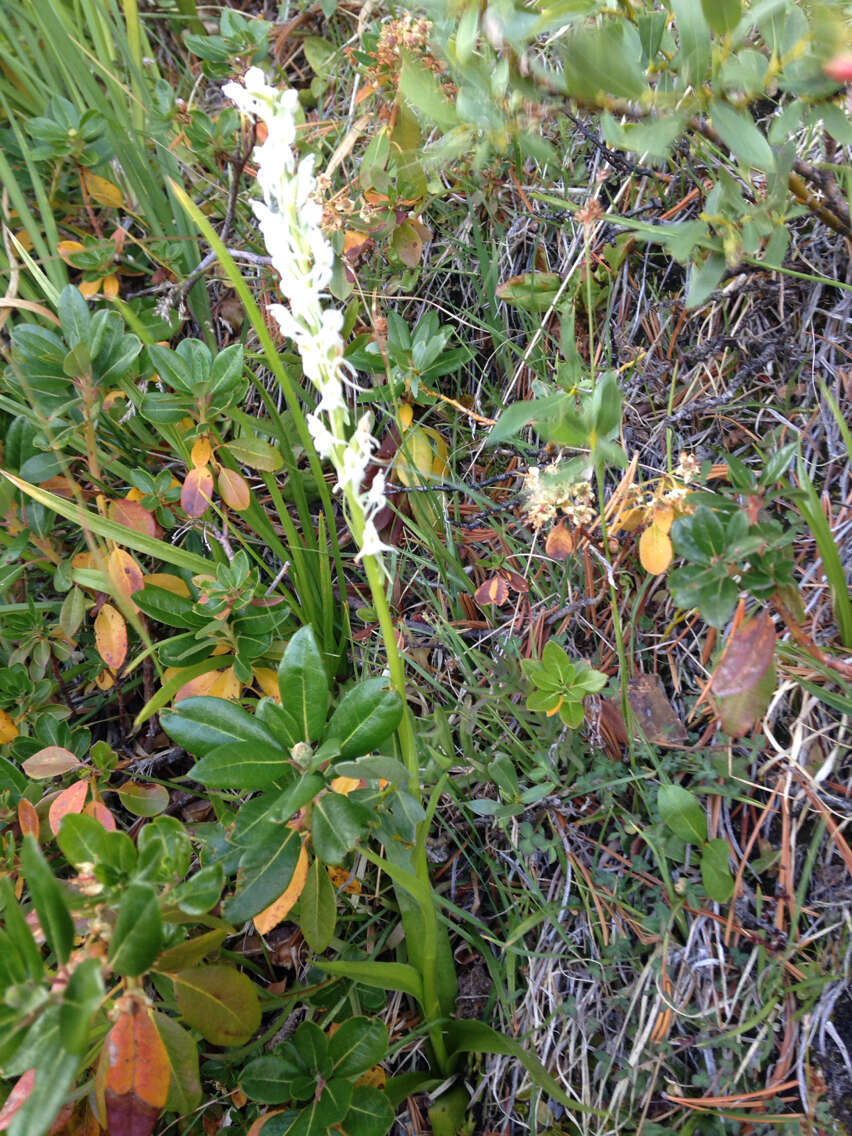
x,y
365,716
220,1002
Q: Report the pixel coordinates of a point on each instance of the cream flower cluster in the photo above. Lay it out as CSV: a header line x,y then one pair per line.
x,y
289,216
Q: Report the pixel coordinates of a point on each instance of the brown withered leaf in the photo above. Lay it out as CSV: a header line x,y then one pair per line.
x,y
653,711
746,678
748,656
494,590
560,543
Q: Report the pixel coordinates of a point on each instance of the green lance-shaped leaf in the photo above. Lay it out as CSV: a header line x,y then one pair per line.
x,y
51,908
137,938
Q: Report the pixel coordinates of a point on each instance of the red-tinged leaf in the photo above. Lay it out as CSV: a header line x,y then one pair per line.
x,y
748,656
52,761
840,68
111,636
126,575
516,581
63,1118
136,1086
494,590
560,543
99,811
745,679
133,516
28,818
653,711
70,800
234,489
197,491
17,1098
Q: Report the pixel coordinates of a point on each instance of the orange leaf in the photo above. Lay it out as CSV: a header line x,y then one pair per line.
x,y
560,543
66,248
111,636
110,284
197,491
28,818
133,516
126,575
201,452
494,590
99,811
18,1097
234,489
8,730
655,550
70,800
278,910
89,288
137,1074
51,761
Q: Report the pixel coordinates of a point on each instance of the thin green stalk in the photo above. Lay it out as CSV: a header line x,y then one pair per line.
x,y
134,45
407,742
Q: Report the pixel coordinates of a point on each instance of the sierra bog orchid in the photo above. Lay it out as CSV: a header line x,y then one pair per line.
x,y
290,218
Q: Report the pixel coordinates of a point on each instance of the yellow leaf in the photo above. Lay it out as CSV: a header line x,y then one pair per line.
x,y
631,519
415,458
267,680
104,680
663,517
65,248
169,583
278,910
202,452
234,489
227,685
134,495
344,785
126,575
110,284
103,192
374,1078
111,636
655,550
340,877
89,288
8,730
406,416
